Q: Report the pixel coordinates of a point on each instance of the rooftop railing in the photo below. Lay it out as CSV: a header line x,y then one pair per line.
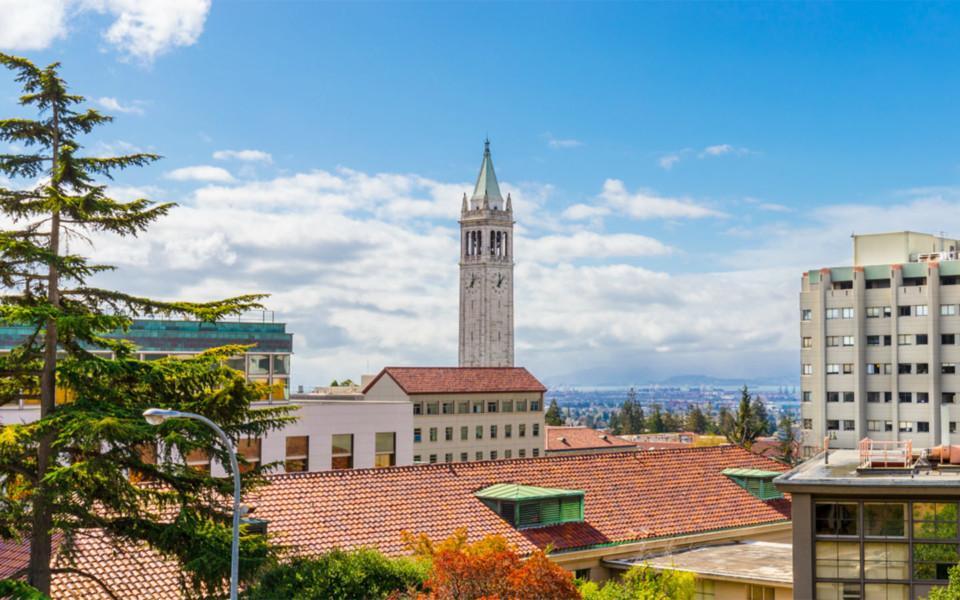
x,y
878,455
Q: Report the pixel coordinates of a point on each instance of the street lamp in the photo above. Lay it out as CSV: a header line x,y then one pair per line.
x,y
155,416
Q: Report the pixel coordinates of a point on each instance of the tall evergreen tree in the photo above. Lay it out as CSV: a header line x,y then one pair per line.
x,y
554,417
656,424
696,421
70,469
743,429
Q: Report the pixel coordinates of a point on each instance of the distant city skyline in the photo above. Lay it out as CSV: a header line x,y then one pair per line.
x,y
674,167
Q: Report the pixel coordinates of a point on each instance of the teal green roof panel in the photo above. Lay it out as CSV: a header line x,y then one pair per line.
x,y
950,267
814,276
841,274
876,272
750,473
515,491
487,180
914,269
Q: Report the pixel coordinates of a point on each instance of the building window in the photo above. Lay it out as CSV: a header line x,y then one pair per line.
x,y
806,369
536,452
833,396
923,397
477,407
833,425
847,368
922,339
478,456
832,341
806,342
297,456
704,589
808,423
873,340
536,429
848,397
923,427
948,281
433,434
342,451
923,368
888,426
761,592
448,457
493,455
534,405
479,432
873,425
837,519
508,454
905,397
873,369
463,457
417,459
847,313
887,397
906,426
948,339
463,408
948,310
953,426
848,425
417,437
887,369
948,368
198,459
522,430
873,397
522,452
447,408
873,312
887,340
904,339
920,310
464,432
433,459
903,311
807,397
904,368
506,406
448,434
521,406
386,449
433,408
948,398
493,432
508,432
418,409
492,407
833,369
833,313
806,314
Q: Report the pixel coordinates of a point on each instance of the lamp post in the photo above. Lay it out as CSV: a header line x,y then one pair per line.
x,y
155,416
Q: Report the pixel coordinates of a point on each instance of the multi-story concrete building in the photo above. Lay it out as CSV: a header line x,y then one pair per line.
x,y
463,414
880,343
486,273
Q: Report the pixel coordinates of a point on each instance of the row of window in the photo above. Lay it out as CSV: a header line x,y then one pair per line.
x,y
882,368
475,407
887,397
904,339
873,425
478,432
878,312
478,455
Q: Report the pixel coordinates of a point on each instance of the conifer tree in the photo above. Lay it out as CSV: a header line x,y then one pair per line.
x,y
554,417
70,470
696,421
742,428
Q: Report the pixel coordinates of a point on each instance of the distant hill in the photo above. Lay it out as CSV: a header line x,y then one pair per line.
x,y
617,377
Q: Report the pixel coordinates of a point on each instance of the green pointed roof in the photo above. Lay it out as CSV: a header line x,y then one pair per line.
x,y
515,491
487,180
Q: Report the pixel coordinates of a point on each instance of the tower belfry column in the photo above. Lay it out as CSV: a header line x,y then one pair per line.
x,y
486,273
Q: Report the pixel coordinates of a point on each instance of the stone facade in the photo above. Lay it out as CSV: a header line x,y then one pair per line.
x,y
486,274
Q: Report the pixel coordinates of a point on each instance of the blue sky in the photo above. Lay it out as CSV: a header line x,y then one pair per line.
x,y
675,166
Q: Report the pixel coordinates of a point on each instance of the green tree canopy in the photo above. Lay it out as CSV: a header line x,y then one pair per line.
x,y
743,427
70,470
554,417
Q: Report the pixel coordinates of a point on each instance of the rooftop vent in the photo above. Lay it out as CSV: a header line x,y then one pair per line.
x,y
603,436
531,506
562,439
255,526
756,481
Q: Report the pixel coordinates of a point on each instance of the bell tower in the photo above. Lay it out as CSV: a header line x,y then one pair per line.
x,y
486,273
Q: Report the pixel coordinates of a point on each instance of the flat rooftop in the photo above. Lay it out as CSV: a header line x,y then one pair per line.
x,y
754,562
841,469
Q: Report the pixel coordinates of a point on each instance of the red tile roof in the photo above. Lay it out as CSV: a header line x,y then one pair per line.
x,y
447,380
563,439
628,496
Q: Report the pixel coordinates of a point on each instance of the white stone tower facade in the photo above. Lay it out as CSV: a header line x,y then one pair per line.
x,y
486,273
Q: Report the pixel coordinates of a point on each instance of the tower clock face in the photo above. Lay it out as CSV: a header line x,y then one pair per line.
x,y
500,282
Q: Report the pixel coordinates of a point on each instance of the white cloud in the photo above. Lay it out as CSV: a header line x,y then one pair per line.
x,y
555,143
645,204
669,160
552,249
200,173
142,29
774,207
721,149
136,107
244,155
31,24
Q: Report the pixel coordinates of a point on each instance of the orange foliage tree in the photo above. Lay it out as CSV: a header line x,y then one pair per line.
x,y
489,569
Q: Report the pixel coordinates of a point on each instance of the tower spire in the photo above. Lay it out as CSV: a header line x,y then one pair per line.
x,y
487,185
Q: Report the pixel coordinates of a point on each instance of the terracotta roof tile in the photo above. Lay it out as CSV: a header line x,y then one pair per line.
x,y
627,496
560,439
445,380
